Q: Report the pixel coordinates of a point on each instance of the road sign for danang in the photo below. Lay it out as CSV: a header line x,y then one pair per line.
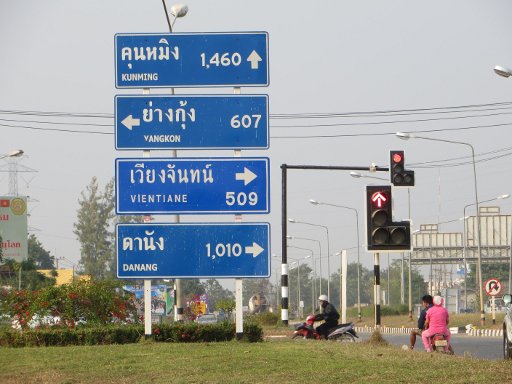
x,y
191,122
199,250
191,59
193,185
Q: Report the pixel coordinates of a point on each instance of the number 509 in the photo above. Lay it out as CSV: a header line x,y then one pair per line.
x,y
241,198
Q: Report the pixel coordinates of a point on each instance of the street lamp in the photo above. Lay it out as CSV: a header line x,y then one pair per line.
x,y
502,71
406,136
315,202
177,10
328,255
298,286
501,197
320,254
359,175
13,153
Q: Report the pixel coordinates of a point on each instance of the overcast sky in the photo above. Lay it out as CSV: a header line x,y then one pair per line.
x,y
331,57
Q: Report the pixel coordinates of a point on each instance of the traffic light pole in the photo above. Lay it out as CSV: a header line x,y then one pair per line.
x,y
284,223
376,291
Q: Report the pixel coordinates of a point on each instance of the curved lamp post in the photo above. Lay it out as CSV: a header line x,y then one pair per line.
x,y
406,136
315,202
328,255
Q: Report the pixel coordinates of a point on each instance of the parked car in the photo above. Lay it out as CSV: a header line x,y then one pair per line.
x,y
507,329
207,318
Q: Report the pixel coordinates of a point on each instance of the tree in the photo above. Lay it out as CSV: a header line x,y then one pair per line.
x,y
418,285
94,230
40,256
216,293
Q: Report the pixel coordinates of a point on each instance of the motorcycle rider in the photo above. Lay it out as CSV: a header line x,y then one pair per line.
x,y
329,314
426,301
436,322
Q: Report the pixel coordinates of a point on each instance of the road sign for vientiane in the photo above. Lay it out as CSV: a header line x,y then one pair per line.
x,y
193,185
186,250
191,59
191,122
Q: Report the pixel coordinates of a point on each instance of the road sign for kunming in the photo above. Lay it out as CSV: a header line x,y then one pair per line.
x,y
193,185
191,122
199,250
191,60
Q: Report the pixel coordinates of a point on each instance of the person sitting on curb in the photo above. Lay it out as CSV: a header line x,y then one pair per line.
x,y
426,301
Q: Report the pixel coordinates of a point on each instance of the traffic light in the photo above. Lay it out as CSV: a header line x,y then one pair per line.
x,y
383,234
400,177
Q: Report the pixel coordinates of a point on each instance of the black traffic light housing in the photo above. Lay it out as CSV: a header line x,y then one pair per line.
x,y
399,176
382,233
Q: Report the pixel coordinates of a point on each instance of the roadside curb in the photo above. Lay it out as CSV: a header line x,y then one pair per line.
x,y
453,331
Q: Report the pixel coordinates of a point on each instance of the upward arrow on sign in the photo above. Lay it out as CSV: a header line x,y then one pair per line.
x,y
379,199
255,59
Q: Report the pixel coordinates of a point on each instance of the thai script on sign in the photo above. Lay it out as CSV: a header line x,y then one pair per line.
x,y
151,53
144,173
178,115
146,243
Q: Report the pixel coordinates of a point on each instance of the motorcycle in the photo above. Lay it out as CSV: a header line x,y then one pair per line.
x,y
341,332
439,343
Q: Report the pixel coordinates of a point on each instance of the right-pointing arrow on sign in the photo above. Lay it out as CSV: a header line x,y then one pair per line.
x,y
247,176
255,59
130,122
255,249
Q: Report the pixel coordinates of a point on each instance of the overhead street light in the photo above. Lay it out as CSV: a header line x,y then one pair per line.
x,y
13,153
328,255
406,136
177,10
359,175
315,202
502,71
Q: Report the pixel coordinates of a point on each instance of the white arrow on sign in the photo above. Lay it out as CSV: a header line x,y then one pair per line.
x,y
255,59
255,249
247,176
130,122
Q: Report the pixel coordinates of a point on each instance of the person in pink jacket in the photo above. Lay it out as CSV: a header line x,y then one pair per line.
x,y
436,322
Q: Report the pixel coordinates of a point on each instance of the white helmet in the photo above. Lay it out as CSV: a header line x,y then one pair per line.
x,y
323,298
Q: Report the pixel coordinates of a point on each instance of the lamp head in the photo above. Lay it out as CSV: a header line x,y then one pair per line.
x,y
179,10
502,71
291,220
403,135
357,175
505,196
314,202
16,153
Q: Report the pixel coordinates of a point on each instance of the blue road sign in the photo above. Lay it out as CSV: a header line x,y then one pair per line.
x,y
193,185
203,250
191,59
191,122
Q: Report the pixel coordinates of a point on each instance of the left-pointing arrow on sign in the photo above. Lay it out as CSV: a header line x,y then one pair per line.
x,y
247,176
255,249
130,122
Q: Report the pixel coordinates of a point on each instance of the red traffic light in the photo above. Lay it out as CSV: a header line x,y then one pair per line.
x,y
397,157
379,199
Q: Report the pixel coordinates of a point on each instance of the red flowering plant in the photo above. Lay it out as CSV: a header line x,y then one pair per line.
x,y
91,302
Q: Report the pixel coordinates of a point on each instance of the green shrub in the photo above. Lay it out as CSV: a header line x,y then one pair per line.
x,y
123,334
264,318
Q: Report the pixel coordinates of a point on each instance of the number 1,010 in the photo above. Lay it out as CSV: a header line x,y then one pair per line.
x,y
221,250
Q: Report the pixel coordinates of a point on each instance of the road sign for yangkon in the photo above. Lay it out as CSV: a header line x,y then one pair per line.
x,y
191,59
191,122
193,250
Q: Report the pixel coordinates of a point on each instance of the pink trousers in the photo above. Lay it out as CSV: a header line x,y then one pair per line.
x,y
427,333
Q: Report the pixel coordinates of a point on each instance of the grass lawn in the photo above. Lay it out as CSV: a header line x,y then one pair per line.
x,y
282,361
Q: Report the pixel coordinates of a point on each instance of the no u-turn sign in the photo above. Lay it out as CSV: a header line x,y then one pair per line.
x,y
492,287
